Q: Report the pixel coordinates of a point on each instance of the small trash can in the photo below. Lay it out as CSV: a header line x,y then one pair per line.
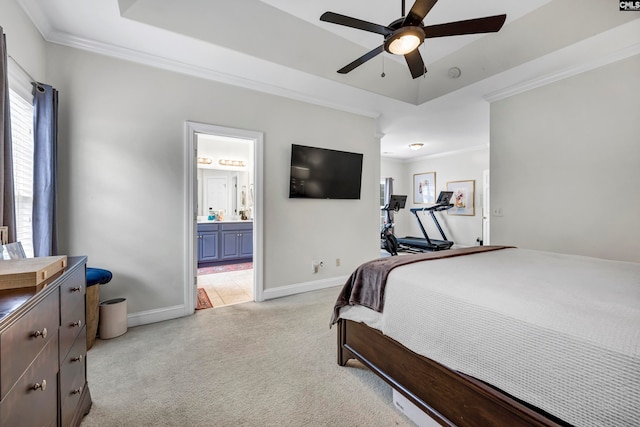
x,y
113,318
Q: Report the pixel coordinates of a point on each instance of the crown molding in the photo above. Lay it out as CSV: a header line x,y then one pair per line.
x,y
51,35
168,64
573,70
447,153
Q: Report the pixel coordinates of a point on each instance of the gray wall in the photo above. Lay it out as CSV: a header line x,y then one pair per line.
x,y
461,166
565,165
121,157
122,178
24,42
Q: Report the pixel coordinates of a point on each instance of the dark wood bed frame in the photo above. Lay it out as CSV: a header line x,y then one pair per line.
x,y
447,396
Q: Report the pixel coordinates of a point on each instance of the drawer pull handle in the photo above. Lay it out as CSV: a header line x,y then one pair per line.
x,y
76,289
77,359
76,391
78,324
42,386
42,333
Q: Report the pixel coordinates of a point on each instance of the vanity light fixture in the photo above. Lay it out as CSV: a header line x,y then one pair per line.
x,y
225,162
204,160
416,146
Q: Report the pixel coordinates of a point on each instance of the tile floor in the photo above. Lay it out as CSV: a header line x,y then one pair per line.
x,y
228,288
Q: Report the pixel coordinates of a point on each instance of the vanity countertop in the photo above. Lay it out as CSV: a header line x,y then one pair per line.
x,y
215,221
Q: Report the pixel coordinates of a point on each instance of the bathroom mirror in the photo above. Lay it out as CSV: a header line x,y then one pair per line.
x,y
223,190
224,169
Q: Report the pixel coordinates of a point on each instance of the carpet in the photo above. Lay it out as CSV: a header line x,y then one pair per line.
x,y
258,364
203,300
225,268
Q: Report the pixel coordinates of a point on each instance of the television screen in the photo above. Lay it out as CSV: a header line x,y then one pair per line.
x,y
320,173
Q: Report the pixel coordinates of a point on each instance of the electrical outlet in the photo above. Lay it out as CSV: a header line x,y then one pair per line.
x,y
337,262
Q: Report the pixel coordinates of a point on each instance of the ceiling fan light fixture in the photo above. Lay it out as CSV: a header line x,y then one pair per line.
x,y
404,40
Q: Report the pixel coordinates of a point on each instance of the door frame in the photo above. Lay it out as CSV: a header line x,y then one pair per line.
x,y
191,200
486,207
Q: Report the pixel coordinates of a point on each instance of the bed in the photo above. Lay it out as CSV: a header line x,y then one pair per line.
x,y
499,336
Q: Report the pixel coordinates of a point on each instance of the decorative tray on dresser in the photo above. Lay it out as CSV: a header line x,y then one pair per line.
x,y
43,366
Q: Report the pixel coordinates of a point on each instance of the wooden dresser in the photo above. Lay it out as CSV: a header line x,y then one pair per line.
x,y
43,366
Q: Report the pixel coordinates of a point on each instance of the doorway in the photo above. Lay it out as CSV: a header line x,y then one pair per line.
x,y
223,214
225,219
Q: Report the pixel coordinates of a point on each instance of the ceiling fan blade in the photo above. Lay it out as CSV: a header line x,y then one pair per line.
x,y
415,63
490,24
418,11
348,21
364,58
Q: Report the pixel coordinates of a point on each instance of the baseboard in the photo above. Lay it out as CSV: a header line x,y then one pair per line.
x,y
168,313
298,288
153,316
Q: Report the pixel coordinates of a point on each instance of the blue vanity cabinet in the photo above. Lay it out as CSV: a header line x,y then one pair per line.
x,y
208,242
236,241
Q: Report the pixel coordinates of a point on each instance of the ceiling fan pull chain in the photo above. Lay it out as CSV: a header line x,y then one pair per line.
x,y
383,74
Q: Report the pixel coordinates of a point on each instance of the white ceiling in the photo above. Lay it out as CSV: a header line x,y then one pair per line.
x,y
281,47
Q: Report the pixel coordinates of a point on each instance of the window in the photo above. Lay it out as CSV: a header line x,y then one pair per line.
x,y
22,138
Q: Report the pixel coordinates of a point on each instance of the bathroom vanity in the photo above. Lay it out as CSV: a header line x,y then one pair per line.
x,y
224,242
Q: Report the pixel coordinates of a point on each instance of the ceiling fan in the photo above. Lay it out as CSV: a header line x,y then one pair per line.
x,y
404,35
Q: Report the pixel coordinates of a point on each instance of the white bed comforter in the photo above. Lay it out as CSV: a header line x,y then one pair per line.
x,y
561,332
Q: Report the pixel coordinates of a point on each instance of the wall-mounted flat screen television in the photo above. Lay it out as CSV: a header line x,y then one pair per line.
x,y
320,173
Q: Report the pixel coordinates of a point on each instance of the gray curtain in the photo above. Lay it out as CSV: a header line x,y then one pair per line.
x,y
388,191
7,197
45,170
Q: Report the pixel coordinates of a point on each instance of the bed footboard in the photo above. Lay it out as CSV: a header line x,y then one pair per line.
x,y
450,398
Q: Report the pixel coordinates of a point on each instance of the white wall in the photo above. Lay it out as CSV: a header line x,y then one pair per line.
x,y
394,168
462,166
121,183
121,145
565,165
24,42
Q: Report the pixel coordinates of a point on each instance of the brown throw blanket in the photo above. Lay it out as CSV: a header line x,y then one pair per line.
x,y
366,284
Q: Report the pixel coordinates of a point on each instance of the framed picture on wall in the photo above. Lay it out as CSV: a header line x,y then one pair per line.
x,y
424,187
463,197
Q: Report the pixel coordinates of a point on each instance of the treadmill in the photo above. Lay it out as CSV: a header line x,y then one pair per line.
x,y
427,244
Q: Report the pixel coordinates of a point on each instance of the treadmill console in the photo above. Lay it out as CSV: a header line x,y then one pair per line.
x,y
444,198
397,202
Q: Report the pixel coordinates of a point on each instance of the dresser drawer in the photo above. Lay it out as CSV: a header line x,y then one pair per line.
x,y
72,290
22,342
71,324
33,400
72,372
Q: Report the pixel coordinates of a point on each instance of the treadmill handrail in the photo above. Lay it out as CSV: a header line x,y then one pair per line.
x,y
432,208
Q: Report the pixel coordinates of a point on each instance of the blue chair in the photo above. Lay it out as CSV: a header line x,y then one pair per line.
x,y
95,276
98,276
